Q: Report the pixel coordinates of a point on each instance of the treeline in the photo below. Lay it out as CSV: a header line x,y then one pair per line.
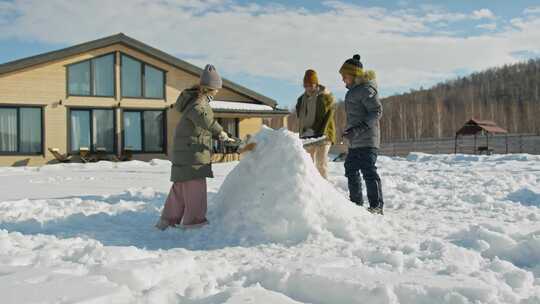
x,y
508,95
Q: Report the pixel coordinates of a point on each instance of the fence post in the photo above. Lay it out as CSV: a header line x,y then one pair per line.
x,y
520,143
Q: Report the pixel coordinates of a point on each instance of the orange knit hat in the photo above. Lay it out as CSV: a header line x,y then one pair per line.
x,y
311,78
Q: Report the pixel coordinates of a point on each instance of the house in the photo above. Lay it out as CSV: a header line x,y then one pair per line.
x,y
109,96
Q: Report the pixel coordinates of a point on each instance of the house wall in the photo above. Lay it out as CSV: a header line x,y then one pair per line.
x,y
45,85
249,126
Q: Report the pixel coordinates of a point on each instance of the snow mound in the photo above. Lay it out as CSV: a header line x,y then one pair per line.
x,y
464,158
43,210
276,194
521,250
525,196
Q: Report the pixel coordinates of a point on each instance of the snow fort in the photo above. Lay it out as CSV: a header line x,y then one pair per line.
x,y
275,194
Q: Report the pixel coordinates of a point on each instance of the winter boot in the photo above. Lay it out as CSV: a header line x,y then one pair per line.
x,y
162,224
376,210
195,225
357,201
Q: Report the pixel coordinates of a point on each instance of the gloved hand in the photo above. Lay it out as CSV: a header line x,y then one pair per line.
x,y
223,136
352,132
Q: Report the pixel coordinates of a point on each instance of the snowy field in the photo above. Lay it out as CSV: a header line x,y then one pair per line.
x,y
457,229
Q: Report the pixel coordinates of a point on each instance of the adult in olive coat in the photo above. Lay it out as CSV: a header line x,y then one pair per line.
x,y
322,122
315,111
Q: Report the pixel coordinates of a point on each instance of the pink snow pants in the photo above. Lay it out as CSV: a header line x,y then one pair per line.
x,y
186,203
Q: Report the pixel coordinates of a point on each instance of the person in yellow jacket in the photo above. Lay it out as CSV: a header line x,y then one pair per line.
x,y
315,111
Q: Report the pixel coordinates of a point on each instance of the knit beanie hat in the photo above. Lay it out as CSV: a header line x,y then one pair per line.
x,y
210,78
310,78
352,66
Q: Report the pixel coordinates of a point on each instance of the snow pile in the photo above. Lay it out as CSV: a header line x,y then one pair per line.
x,y
454,158
521,250
276,194
44,210
526,197
50,209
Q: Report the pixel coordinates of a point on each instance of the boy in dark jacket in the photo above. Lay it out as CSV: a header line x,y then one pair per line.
x,y
364,111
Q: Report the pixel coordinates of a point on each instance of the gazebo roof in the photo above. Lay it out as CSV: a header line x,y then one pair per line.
x,y
475,126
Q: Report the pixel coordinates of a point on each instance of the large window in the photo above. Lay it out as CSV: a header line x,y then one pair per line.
x,y
92,129
144,131
141,80
131,77
94,77
21,130
230,125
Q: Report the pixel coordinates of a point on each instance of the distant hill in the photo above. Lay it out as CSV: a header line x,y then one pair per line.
x,y
508,95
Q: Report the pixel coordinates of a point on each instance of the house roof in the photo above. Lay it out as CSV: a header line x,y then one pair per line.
x,y
227,107
134,44
475,126
231,105
251,113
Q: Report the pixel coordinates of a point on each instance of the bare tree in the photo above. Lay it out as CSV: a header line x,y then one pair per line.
x,y
509,95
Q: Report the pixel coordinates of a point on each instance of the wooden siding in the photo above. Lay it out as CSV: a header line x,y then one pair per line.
x,y
249,126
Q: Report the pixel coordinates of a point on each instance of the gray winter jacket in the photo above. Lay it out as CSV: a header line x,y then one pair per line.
x,y
364,110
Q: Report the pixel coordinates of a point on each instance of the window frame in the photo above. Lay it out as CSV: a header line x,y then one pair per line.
x,y
42,133
143,86
236,121
92,147
218,146
114,95
164,132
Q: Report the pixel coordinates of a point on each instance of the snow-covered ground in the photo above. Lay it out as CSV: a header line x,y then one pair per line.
x,y
457,229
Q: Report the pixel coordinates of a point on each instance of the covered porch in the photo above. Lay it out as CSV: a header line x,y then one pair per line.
x,y
240,120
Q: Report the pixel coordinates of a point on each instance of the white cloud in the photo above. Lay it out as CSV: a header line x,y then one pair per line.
x,y
488,26
403,3
532,10
444,16
438,14
405,47
7,9
483,13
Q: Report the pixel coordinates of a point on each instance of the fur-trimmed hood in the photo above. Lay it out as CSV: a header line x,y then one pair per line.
x,y
187,97
323,90
366,77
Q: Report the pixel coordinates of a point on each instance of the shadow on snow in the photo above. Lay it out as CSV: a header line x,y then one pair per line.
x,y
128,228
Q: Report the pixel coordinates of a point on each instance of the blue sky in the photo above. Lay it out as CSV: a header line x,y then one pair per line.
x,y
267,45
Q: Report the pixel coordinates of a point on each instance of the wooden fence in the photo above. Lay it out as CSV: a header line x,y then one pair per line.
x,y
500,144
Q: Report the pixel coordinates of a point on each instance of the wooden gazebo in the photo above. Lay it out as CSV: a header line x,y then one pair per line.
x,y
474,127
